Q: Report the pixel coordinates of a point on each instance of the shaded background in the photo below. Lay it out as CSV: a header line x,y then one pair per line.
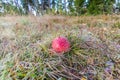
x,y
64,7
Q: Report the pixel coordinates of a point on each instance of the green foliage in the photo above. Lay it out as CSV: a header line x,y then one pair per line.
x,y
71,7
108,6
95,7
79,4
116,25
11,9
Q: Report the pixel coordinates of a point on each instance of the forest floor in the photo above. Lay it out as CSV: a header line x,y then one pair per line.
x,y
25,48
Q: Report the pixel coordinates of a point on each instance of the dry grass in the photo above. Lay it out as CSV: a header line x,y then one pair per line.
x,y
25,44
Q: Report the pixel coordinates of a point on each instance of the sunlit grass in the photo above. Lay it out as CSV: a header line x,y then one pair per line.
x,y
25,48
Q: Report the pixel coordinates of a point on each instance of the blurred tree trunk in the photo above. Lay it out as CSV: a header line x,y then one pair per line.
x,y
25,6
53,4
70,6
65,6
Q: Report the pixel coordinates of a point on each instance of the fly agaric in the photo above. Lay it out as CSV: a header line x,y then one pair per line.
x,y
60,45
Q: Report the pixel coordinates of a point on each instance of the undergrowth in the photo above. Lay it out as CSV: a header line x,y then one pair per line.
x,y
94,53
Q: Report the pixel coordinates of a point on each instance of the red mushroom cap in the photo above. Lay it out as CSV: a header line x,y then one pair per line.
x,y
60,44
